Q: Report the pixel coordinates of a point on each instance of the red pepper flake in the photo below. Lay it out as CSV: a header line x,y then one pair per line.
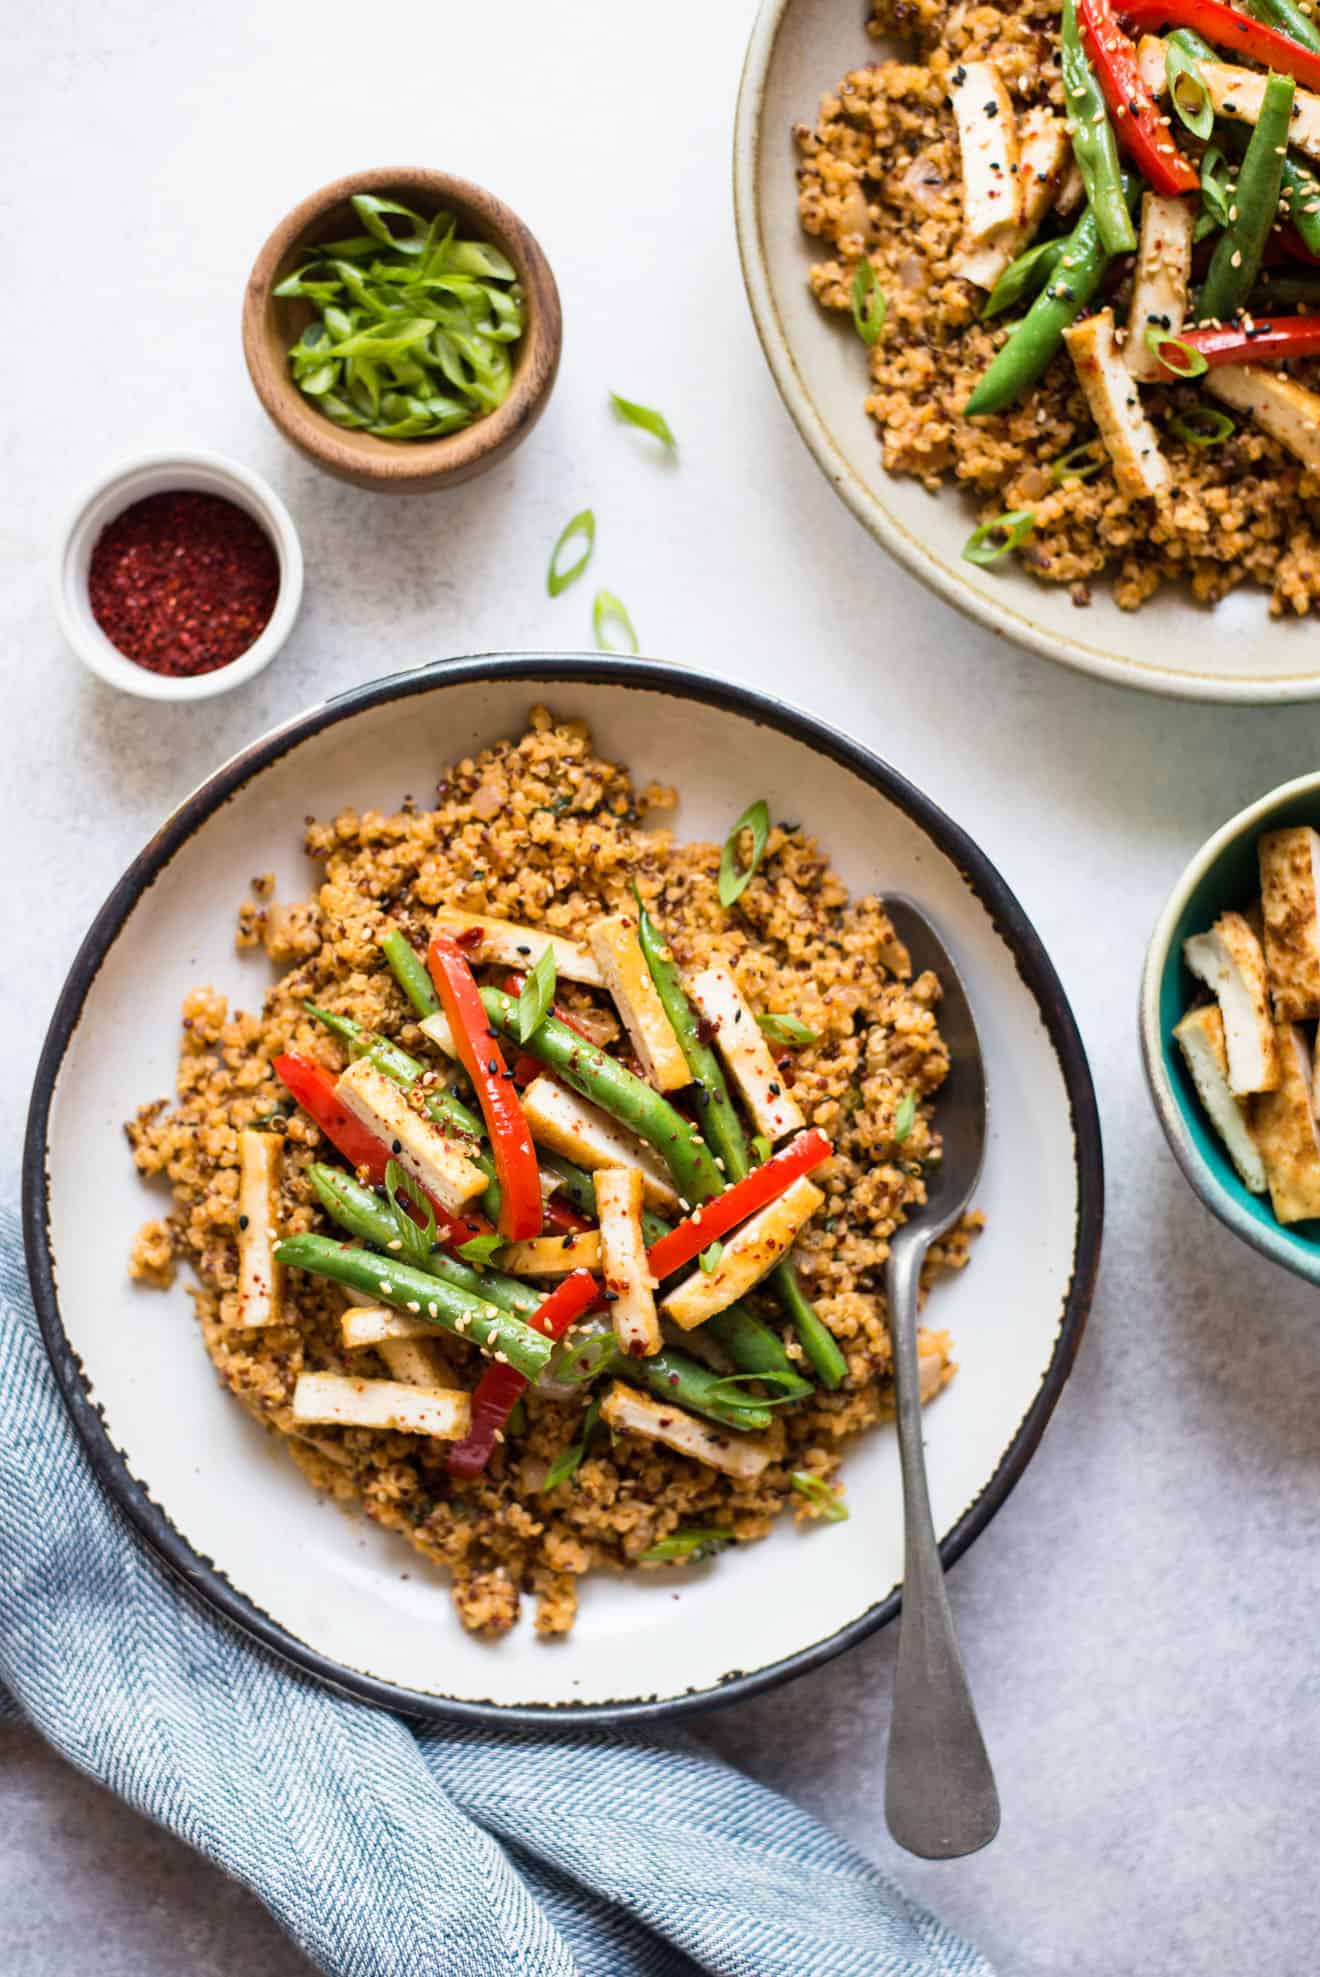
x,y
183,583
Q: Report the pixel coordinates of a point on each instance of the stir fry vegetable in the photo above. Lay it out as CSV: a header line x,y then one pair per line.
x,y
482,1059
1232,31
411,328
1238,251
1094,145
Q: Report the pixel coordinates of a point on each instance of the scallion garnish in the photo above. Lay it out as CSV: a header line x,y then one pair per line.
x,y
734,877
1202,425
742,1386
787,1029
607,611
905,1118
995,539
687,1547
569,1460
762,1148
480,1249
538,992
415,1242
819,1494
517,1421
709,1258
1187,90
1216,191
1024,277
1078,463
870,305
1190,364
557,578
577,1365
646,417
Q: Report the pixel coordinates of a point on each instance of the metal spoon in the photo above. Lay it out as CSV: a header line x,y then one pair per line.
x,y
940,1797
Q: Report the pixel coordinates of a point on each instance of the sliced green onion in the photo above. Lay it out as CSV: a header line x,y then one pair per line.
x,y
1217,182
1012,529
869,304
762,1148
415,1243
1160,341
1079,462
1187,90
538,992
646,417
1024,277
517,1421
733,877
607,611
687,1547
906,1117
787,1029
569,1460
710,1257
739,1387
558,579
481,1248
820,1496
1202,425
577,1365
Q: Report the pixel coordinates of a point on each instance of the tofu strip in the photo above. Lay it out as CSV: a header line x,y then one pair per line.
x,y
623,967
582,1132
510,946
1164,268
987,137
1043,156
746,1258
1239,93
260,1277
1283,1127
628,1281
1111,392
628,1412
438,1163
338,1400
744,1049
371,1324
1229,961
408,1345
1285,409
1072,189
551,1256
1290,913
1152,61
1200,1037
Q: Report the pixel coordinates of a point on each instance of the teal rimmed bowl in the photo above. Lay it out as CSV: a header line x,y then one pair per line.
x,y
1223,874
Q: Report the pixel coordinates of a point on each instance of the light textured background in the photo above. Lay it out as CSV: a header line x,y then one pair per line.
x,y
1140,1620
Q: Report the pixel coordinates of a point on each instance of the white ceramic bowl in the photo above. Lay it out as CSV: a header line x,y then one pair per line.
x,y
221,1501
1235,652
162,473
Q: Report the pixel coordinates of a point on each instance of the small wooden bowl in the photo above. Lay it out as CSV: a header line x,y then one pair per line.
x,y
272,323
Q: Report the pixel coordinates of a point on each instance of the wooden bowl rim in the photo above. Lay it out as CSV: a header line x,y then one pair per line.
x,y
383,462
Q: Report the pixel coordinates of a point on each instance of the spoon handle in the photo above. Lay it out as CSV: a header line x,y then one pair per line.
x,y
940,1797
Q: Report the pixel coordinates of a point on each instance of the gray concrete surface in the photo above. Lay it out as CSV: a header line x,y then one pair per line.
x,y
1140,1619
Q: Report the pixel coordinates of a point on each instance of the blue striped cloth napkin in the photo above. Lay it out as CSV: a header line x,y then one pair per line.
x,y
387,1848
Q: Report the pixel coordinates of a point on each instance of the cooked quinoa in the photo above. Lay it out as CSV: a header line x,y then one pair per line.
x,y
880,175
543,831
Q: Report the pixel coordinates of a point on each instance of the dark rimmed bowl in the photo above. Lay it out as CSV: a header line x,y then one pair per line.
x,y
217,1498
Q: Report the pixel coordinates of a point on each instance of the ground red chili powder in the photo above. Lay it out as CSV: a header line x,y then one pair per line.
x,y
183,583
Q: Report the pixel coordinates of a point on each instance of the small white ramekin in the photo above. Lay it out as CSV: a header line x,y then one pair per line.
x,y
162,473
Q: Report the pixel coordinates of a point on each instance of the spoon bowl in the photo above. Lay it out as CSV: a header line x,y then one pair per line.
x,y
940,1796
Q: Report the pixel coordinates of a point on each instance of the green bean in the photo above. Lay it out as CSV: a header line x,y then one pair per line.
x,y
673,1376
599,1077
1297,291
410,972
576,1184
1289,19
366,1216
722,1130
1299,191
1094,144
1034,343
413,1290
1238,251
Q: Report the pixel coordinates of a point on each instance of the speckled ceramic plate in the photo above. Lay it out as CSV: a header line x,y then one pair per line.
x,y
222,1502
799,49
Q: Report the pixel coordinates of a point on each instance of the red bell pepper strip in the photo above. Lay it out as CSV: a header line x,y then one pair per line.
x,y
1142,131
1270,340
510,1137
499,1387
563,1219
1234,32
715,1218
314,1088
